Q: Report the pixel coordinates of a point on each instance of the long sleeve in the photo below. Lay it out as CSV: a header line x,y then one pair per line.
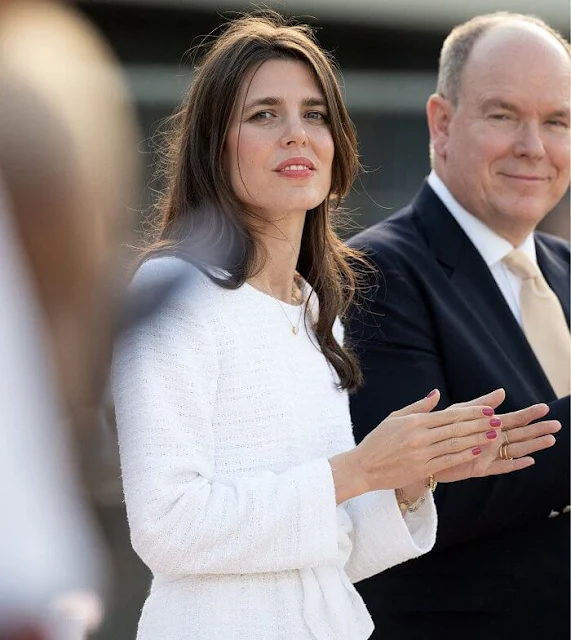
x,y
184,520
382,538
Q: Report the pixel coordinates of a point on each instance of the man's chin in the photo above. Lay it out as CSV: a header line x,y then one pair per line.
x,y
526,210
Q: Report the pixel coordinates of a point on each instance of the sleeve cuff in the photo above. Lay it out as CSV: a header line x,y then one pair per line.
x,y
421,524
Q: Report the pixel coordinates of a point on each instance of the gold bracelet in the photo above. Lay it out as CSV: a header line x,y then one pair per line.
x,y
431,483
406,505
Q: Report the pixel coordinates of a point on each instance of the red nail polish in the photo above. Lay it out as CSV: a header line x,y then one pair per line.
x,y
491,435
488,412
477,451
432,393
495,422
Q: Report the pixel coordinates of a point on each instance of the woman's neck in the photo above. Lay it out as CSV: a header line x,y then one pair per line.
x,y
282,242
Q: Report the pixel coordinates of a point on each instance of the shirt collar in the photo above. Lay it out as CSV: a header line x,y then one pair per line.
x,y
491,246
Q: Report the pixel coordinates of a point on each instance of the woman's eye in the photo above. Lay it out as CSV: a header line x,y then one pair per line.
x,y
262,115
500,116
316,115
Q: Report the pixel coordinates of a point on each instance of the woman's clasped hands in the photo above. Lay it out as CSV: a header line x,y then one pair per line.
x,y
460,442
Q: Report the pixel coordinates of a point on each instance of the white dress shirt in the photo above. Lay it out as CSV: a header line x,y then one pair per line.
x,y
492,247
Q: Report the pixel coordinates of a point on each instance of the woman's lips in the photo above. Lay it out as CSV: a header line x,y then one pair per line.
x,y
299,163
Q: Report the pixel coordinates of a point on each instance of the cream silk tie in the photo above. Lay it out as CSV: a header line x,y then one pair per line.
x,y
543,322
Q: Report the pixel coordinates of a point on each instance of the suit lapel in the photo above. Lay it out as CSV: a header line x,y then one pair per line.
x,y
482,303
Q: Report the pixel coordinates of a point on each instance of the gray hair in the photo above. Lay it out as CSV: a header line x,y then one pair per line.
x,y
461,40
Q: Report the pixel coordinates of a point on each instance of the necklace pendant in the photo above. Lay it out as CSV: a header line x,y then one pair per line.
x,y
294,330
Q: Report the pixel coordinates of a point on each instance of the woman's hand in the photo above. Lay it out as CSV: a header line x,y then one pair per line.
x,y
415,442
522,438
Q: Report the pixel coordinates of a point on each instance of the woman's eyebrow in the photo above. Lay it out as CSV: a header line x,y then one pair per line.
x,y
267,101
274,101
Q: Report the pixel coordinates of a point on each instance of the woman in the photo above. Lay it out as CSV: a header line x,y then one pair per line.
x,y
245,493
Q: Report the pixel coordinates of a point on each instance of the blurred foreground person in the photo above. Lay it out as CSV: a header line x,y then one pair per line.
x,y
471,297
245,493
67,140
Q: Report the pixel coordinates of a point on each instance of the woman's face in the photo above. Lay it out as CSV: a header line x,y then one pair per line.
x,y
279,147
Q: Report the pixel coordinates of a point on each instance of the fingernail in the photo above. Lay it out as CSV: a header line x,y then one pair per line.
x,y
432,393
491,435
495,422
477,451
488,412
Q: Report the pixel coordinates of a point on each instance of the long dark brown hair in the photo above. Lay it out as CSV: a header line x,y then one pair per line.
x,y
198,201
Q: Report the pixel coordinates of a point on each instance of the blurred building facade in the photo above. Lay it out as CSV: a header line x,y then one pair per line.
x,y
388,53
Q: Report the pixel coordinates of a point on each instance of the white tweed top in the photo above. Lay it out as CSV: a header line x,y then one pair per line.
x,y
226,422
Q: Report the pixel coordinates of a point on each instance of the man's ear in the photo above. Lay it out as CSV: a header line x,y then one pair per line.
x,y
438,116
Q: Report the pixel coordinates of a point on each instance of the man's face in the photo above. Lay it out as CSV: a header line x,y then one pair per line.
x,y
506,154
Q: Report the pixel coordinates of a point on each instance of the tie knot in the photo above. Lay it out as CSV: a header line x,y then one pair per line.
x,y
521,265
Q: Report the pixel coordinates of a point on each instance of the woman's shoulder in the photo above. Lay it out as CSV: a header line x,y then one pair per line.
x,y
175,287
159,268
173,274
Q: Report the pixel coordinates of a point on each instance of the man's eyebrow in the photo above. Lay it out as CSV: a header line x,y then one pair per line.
x,y
560,113
498,103
273,101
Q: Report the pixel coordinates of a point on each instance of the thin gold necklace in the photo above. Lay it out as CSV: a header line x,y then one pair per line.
x,y
295,298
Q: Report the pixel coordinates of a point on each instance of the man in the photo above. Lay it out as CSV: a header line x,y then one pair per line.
x,y
454,308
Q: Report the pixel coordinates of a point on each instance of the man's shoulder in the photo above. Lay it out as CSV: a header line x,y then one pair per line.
x,y
397,225
397,237
559,246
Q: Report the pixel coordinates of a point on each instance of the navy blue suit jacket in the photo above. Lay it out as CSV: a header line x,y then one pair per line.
x,y
436,318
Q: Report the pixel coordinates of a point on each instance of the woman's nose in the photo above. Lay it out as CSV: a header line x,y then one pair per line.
x,y
294,133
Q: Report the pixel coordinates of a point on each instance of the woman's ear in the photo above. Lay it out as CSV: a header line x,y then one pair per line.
x,y
438,115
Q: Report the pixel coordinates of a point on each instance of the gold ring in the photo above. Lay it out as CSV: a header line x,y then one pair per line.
x,y
504,452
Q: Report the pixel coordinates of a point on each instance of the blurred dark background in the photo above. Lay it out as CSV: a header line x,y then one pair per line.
x,y
387,51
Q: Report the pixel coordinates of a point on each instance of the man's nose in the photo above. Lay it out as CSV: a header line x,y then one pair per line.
x,y
530,141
